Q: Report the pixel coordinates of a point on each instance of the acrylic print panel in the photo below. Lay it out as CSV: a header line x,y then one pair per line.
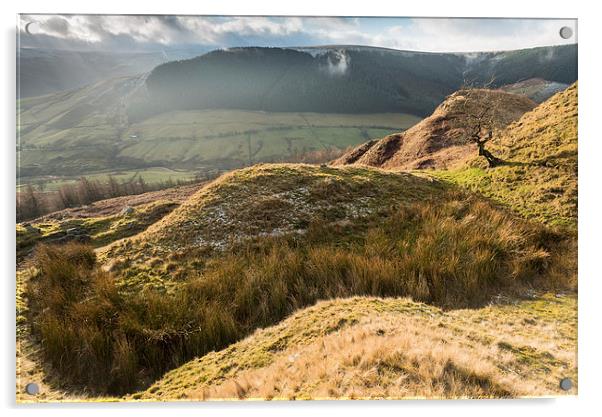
x,y
287,208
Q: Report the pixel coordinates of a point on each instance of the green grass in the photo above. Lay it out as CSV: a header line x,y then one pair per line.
x,y
100,230
209,123
548,195
211,135
56,136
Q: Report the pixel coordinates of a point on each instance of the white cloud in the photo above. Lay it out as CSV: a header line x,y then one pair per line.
x,y
468,35
424,34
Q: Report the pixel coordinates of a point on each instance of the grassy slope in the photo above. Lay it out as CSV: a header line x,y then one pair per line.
x,y
522,348
264,201
356,348
100,230
540,180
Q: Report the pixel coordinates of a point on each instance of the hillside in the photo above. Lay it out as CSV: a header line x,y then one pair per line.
x,y
537,89
293,203
440,140
390,348
342,79
298,281
43,71
264,201
258,244
539,180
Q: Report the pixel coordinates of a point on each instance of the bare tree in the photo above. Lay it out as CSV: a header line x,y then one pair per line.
x,y
28,204
482,120
480,132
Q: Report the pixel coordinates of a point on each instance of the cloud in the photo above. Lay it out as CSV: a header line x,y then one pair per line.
x,y
128,32
159,29
338,63
469,35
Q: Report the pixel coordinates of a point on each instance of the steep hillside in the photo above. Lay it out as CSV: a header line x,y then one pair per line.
x,y
553,63
539,179
390,348
343,79
440,140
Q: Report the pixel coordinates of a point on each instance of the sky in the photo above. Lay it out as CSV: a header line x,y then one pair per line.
x,y
128,33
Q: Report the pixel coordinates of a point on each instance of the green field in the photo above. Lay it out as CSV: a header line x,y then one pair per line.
x,y
87,132
248,136
149,175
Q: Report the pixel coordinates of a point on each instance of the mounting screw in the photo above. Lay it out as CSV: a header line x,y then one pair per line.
x,y
566,384
32,389
566,32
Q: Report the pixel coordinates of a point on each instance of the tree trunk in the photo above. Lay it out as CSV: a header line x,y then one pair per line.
x,y
492,160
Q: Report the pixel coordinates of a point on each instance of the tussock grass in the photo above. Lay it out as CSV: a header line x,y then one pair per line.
x,y
454,251
268,200
367,347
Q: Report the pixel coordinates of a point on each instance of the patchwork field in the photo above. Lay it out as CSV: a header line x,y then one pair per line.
x,y
90,131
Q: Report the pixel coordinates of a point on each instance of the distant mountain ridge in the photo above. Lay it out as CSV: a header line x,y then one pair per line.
x,y
44,71
347,79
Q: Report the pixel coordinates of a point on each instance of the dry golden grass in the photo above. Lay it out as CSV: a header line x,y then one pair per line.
x,y
261,243
439,141
539,179
545,136
374,360
391,348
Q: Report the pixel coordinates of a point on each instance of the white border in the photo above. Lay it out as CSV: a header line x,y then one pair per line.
x,y
590,152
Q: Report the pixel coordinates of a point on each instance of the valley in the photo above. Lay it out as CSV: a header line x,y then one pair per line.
x,y
183,141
